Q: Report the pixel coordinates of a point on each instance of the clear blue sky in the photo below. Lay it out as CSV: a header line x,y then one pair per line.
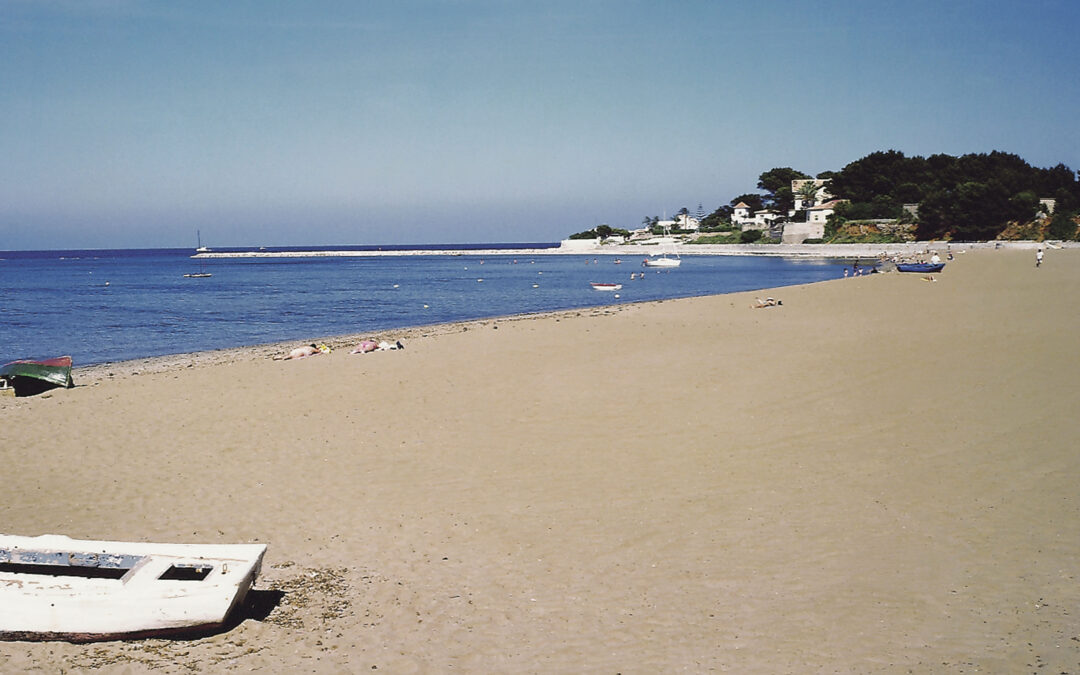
x,y
128,123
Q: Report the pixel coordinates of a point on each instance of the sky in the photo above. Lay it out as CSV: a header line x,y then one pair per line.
x,y
137,123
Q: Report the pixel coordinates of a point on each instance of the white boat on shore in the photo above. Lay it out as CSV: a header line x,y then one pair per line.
x,y
53,587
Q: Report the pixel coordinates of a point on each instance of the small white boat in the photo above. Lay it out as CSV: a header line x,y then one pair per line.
x,y
664,260
605,287
200,248
53,587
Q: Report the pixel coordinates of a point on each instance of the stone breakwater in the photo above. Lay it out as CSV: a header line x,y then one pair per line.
x,y
585,247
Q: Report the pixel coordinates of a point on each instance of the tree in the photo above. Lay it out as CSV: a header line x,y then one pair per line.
x,y
777,182
808,193
720,219
774,179
935,215
753,200
1062,226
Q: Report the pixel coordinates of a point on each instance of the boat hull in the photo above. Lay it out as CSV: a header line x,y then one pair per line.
x,y
56,588
663,262
921,268
606,287
52,372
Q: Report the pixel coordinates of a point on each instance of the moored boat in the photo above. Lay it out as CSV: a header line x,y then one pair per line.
x,y
922,268
199,247
605,287
53,587
667,245
663,261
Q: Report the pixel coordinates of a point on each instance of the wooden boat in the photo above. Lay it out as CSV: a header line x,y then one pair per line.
x,y
28,376
922,268
604,287
53,587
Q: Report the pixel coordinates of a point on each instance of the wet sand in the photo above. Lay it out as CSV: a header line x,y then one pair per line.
x,y
879,475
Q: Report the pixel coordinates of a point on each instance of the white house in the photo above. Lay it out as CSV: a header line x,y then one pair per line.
x,y
740,215
681,222
762,220
687,222
821,212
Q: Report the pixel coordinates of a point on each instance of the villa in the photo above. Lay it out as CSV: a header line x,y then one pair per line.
x,y
760,220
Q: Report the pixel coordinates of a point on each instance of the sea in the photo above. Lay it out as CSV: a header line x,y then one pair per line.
x,y
102,306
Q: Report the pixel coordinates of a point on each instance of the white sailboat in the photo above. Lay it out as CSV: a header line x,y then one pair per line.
x,y
202,273
664,261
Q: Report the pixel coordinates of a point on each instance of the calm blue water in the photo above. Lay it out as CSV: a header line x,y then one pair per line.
x,y
103,306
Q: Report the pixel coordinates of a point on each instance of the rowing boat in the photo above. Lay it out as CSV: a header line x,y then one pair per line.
x,y
28,376
53,587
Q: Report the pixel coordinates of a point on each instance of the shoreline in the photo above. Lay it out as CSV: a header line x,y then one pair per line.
x,y
588,247
95,373
167,362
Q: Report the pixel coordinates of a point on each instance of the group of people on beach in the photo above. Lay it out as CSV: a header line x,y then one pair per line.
x,y
365,346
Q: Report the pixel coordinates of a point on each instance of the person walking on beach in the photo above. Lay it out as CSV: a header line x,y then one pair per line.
x,y
1038,258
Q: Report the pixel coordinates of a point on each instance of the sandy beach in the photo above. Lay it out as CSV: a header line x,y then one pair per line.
x,y
877,476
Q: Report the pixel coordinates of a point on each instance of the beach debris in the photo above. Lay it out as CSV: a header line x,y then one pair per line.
x,y
320,594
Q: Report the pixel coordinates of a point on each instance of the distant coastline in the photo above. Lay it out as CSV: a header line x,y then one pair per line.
x,y
589,247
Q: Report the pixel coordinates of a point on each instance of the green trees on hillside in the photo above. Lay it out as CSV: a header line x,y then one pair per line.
x,y
777,183
969,197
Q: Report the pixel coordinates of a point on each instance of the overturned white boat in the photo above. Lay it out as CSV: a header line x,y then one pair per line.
x,y
53,587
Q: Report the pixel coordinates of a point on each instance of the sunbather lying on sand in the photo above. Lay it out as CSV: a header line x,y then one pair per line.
x,y
370,346
365,347
306,350
767,302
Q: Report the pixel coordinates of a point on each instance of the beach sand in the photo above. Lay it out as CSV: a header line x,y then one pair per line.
x,y
878,476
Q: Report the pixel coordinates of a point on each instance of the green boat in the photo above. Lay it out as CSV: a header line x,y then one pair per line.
x,y
31,377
